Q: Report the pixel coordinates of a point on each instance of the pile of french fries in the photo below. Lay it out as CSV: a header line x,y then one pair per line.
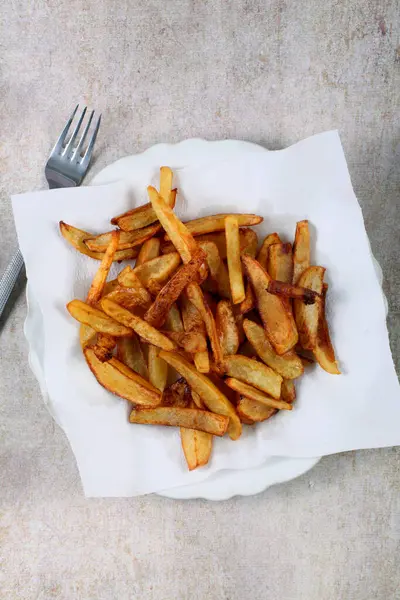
x,y
208,331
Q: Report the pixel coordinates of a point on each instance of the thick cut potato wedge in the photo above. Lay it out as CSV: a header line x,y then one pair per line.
x,y
190,418
139,326
157,269
76,238
252,411
280,262
301,250
288,391
158,311
250,392
131,297
129,352
196,296
226,328
288,365
191,342
262,256
307,315
275,314
127,239
140,217
324,351
179,235
254,373
178,394
122,381
149,250
234,264
174,320
196,446
217,223
158,368
96,319
208,392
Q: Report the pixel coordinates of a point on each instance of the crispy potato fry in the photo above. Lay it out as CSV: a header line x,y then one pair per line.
x,y
158,269
248,239
149,250
127,239
254,394
166,176
99,280
192,321
253,411
226,327
139,326
289,290
76,238
217,223
301,250
234,264
100,322
254,373
212,256
277,318
280,262
180,236
129,352
158,311
158,368
191,342
288,365
130,298
177,394
174,320
209,393
324,351
262,256
140,217
105,345
122,381
196,296
307,315
288,391
196,446
190,418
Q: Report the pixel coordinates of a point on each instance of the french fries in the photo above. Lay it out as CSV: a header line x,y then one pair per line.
x,y
181,314
288,365
307,316
254,373
234,264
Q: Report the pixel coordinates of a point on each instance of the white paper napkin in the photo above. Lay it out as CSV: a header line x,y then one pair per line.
x,y
310,180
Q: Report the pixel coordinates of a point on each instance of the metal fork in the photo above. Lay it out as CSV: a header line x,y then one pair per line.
x,y
66,167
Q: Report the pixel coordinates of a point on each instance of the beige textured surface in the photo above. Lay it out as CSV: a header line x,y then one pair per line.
x,y
270,72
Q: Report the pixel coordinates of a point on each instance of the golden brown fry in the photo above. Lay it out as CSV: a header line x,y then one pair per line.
x,y
209,393
301,250
289,290
149,250
131,297
198,401
275,314
158,270
192,342
174,320
158,311
166,176
254,373
252,411
177,394
129,352
158,368
212,256
307,315
202,361
248,239
254,394
262,256
105,345
196,296
324,351
139,326
122,381
76,238
280,262
96,319
288,365
140,217
217,223
99,280
196,446
190,418
234,264
180,236
226,327
127,239
288,391
192,321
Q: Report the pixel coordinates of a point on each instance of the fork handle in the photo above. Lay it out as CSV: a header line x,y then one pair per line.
x,y
9,279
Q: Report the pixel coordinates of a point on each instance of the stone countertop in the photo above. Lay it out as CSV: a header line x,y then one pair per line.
x,y
269,72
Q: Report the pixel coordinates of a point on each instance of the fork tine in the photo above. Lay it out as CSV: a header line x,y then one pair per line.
x,y
61,139
78,149
75,133
88,154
